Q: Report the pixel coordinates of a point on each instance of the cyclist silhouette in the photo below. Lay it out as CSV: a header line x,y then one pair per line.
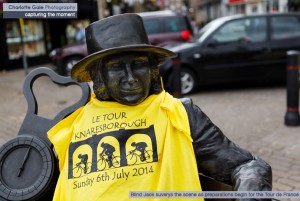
x,y
140,146
108,150
83,158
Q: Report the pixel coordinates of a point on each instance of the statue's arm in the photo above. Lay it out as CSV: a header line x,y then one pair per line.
x,y
221,159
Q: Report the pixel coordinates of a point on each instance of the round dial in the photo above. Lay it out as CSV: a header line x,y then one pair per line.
x,y
27,168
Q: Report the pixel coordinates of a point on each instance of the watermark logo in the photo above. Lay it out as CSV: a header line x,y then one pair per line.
x,y
39,10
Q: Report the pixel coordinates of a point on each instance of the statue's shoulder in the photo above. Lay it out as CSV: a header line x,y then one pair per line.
x,y
186,101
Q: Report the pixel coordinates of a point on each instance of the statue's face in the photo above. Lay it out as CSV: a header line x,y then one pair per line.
x,y
127,77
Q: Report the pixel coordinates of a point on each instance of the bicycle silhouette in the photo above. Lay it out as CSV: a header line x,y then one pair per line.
x,y
104,161
79,170
133,157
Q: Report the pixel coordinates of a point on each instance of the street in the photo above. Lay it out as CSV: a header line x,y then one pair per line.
x,y
252,117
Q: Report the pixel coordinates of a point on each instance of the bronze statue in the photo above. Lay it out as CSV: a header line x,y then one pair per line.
x,y
153,142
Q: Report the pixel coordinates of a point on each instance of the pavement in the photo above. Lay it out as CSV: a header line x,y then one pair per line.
x,y
252,117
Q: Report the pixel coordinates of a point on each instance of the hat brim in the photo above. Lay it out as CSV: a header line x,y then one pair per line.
x,y
80,73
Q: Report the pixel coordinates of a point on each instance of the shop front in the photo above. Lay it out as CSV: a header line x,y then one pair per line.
x,y
33,39
39,36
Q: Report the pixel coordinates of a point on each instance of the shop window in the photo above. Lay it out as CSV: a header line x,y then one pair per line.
x,y
33,39
272,6
254,9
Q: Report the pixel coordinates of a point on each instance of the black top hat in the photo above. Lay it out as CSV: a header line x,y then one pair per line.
x,y
115,34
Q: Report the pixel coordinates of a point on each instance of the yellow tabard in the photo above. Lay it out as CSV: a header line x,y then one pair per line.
x,y
107,150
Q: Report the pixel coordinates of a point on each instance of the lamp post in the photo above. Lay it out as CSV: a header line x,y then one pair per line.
x,y
24,58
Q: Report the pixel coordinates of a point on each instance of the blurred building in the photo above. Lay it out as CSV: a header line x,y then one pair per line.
x,y
203,11
43,35
207,10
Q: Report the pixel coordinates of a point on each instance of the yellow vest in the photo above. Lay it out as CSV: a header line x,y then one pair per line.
x,y
107,150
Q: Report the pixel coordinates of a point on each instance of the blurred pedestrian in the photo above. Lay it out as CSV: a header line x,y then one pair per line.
x,y
80,33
